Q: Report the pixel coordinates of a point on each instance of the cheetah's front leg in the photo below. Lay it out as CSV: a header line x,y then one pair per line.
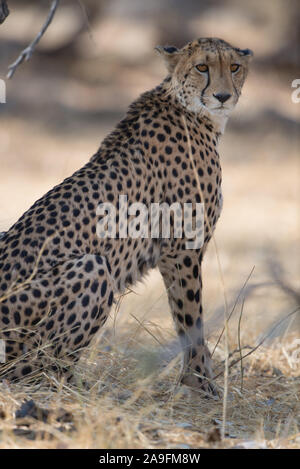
x,y
182,277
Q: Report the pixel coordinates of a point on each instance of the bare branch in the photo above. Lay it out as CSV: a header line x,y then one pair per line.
x,y
278,276
28,51
4,11
88,24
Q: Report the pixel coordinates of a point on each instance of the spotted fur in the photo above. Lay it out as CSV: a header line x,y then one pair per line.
x,y
58,278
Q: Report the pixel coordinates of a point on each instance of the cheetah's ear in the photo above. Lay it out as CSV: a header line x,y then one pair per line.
x,y
170,54
247,53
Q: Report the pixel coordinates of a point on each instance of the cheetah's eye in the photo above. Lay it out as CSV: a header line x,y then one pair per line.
x,y
202,68
234,68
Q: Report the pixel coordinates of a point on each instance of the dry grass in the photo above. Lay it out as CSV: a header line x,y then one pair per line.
x,y
131,397
133,401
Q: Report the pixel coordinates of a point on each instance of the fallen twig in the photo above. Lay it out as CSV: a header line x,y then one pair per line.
x,y
28,51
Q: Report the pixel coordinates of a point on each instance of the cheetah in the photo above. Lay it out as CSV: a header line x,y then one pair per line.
x,y
59,277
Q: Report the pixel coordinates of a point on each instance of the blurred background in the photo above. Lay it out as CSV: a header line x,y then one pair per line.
x,y
95,58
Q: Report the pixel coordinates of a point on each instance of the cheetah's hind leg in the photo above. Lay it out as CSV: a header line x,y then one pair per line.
x,y
51,320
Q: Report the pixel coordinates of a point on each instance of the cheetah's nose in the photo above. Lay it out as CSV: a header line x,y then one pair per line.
x,y
222,97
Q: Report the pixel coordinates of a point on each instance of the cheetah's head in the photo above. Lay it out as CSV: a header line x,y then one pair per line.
x,y
207,76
